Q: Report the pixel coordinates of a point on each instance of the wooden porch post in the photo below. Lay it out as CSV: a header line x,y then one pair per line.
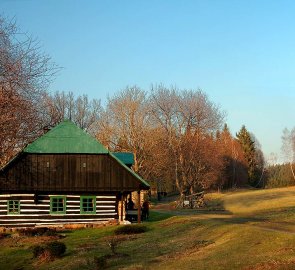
x,y
138,208
122,204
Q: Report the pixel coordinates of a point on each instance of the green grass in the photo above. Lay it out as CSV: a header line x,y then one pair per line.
x,y
248,229
158,216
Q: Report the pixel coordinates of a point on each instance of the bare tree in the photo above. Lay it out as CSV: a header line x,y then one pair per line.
x,y
125,123
288,147
87,112
188,118
61,105
272,159
24,74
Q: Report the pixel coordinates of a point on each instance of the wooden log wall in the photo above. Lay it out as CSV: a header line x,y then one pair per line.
x,y
66,173
35,211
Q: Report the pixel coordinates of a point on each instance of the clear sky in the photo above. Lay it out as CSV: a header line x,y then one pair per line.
x,y
241,53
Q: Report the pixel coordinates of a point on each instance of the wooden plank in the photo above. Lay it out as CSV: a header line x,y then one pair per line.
x,y
83,175
66,173
60,161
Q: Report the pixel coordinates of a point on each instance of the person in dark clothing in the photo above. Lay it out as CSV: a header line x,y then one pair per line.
x,y
145,209
130,204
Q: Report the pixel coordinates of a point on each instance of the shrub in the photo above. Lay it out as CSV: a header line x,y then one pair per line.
x,y
37,251
131,229
100,262
56,249
3,235
113,241
50,232
49,251
36,232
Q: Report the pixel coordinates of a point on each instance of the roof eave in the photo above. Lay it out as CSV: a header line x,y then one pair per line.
x,y
143,184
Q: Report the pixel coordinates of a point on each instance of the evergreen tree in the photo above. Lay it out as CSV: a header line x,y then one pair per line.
x,y
234,170
225,129
248,146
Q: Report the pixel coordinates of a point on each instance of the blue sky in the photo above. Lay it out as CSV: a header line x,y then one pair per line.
x,y
241,53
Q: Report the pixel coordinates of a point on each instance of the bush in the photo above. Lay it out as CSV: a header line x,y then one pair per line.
x,y
3,235
100,262
56,249
37,232
51,232
50,251
131,229
37,251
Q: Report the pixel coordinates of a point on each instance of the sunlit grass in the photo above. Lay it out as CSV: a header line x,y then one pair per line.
x,y
250,229
259,200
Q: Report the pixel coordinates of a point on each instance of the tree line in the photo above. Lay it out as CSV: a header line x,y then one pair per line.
x,y
179,140
179,137
282,175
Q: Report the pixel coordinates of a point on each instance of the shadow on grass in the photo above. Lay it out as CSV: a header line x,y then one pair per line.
x,y
158,216
207,211
282,215
240,220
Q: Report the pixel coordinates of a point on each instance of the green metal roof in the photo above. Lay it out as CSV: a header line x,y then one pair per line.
x,y
126,157
66,137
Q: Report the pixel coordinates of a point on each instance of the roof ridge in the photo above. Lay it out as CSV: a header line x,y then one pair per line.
x,y
66,137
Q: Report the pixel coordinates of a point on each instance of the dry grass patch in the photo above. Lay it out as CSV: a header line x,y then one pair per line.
x,y
272,265
248,202
24,241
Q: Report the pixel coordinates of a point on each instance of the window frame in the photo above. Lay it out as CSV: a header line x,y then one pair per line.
x,y
8,208
82,212
63,212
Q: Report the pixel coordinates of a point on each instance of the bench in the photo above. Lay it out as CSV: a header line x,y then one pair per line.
x,y
131,215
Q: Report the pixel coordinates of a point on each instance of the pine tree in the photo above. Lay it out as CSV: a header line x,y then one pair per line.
x,y
225,129
248,146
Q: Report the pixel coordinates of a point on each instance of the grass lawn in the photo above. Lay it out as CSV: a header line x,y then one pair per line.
x,y
248,229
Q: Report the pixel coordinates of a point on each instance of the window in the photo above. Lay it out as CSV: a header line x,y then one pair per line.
x,y
58,205
13,207
87,204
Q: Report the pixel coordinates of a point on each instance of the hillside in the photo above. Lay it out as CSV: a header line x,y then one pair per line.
x,y
239,230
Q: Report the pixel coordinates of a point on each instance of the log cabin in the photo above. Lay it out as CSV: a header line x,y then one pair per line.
x,y
66,177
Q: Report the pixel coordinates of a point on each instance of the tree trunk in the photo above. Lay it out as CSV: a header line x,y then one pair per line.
x,y
292,170
191,197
